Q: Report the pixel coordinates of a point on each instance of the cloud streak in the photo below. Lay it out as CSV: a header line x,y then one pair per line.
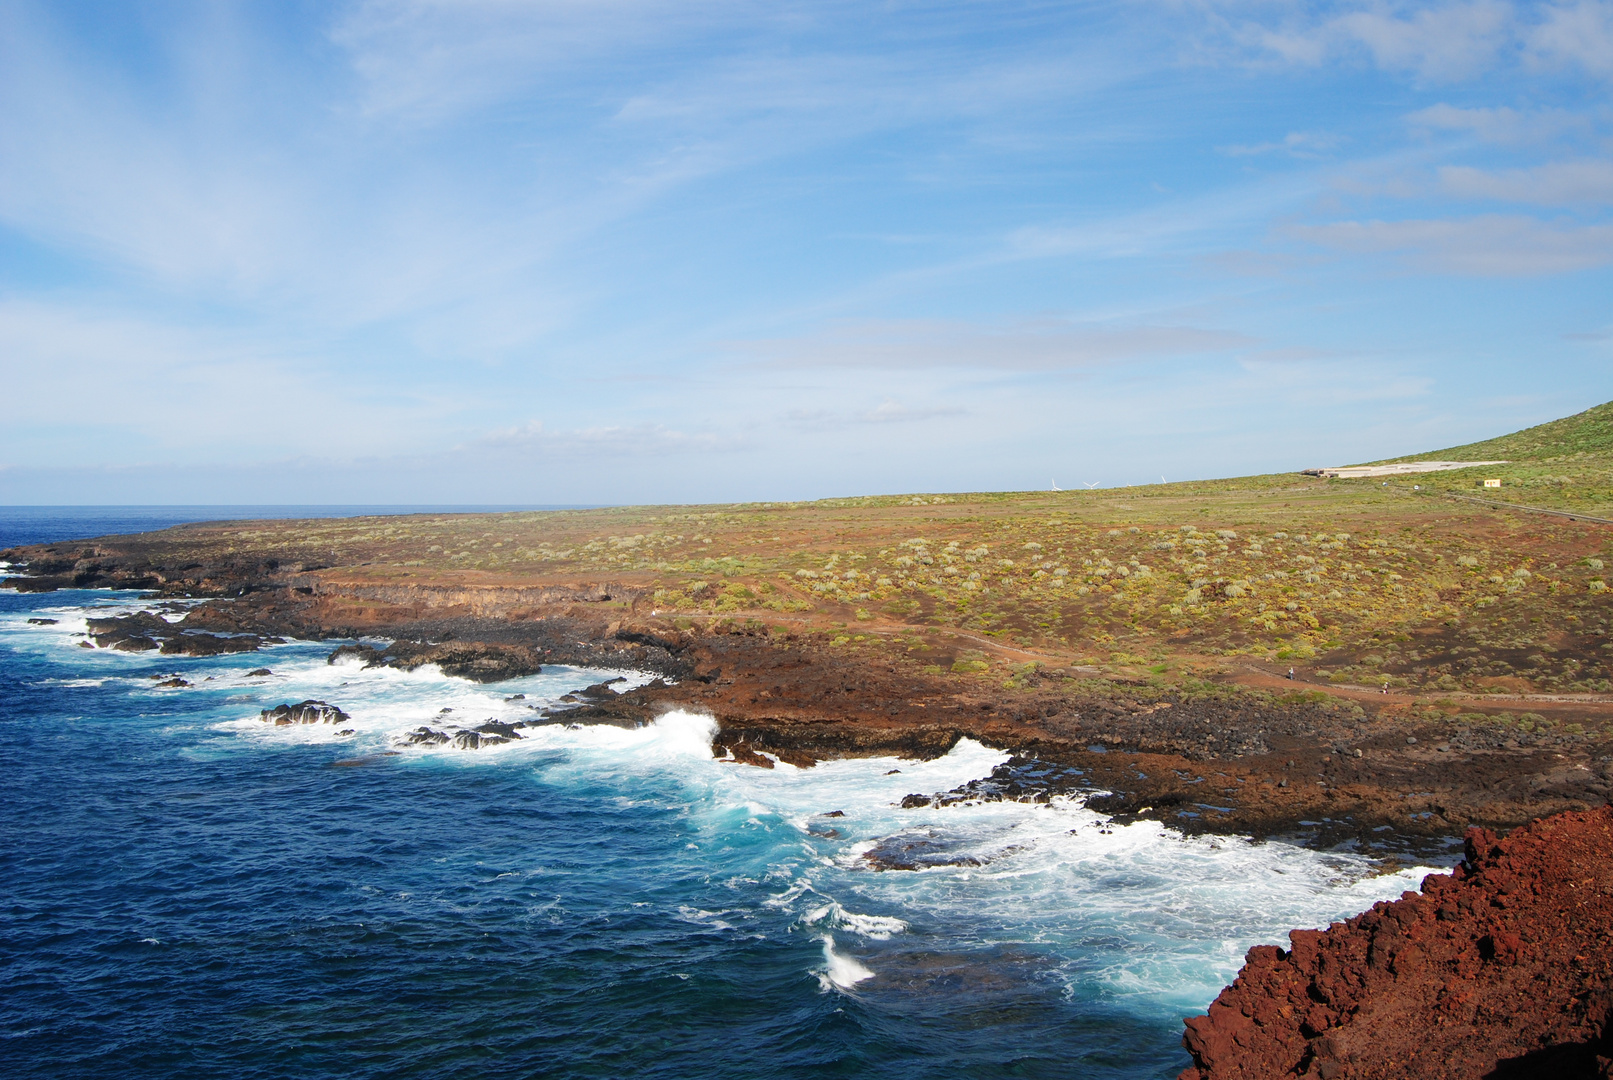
x,y
1487,246
1044,345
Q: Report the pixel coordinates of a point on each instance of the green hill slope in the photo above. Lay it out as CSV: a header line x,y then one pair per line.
x,y
1565,464
1589,432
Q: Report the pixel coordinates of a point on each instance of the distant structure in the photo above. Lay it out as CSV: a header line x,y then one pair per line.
x,y
1055,484
1400,468
1496,482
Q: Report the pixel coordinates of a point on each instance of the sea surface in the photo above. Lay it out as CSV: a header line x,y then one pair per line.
x,y
46,524
188,891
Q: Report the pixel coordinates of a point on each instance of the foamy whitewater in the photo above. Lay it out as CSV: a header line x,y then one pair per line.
x,y
189,890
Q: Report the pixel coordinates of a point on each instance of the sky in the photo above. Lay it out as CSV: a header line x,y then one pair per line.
x,y
610,251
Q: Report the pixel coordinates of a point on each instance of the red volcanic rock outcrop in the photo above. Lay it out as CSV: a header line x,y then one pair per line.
x,y
1501,969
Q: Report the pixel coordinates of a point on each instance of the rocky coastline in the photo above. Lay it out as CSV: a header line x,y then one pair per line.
x,y
1313,769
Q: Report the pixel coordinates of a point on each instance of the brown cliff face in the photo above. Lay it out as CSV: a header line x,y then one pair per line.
x,y
1502,969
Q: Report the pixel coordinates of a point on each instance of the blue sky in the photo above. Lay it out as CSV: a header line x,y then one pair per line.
x,y
494,251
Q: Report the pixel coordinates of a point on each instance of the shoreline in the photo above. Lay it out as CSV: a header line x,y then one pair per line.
x,y
1226,757
1340,769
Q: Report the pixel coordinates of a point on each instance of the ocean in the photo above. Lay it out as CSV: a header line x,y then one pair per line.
x,y
186,890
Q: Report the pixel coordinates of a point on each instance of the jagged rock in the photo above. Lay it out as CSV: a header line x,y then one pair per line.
x,y
424,736
1502,969
258,673
142,631
172,684
44,622
500,728
367,653
304,712
472,740
478,661
915,851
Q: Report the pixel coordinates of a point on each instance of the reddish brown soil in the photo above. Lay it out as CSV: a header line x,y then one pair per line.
x,y
1502,969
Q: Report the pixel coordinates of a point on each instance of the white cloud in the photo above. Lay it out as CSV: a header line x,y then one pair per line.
x,y
1487,246
1300,144
1451,42
1562,183
887,412
1443,43
1044,345
1579,34
1503,126
636,440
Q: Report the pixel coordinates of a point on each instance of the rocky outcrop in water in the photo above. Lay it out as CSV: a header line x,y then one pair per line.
x,y
304,712
145,631
1502,969
474,660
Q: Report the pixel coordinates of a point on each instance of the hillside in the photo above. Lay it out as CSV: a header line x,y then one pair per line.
x,y
1564,464
1466,650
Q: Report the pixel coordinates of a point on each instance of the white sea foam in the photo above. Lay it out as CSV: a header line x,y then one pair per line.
x,y
839,972
1136,911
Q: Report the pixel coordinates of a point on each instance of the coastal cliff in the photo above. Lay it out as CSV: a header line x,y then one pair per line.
x,y
1503,968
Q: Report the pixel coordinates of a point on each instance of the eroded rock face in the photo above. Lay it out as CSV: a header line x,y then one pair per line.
x,y
304,712
1503,968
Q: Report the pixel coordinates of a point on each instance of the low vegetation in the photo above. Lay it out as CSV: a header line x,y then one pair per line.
x,y
1356,582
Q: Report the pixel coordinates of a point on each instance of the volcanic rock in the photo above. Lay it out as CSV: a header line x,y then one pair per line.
x,y
304,712
474,660
1503,968
142,631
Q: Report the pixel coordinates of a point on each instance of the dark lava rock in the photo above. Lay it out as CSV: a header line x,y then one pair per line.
x,y
142,631
258,673
44,622
499,728
424,736
195,643
472,740
172,684
304,712
474,660
367,653
1019,779
916,851
744,755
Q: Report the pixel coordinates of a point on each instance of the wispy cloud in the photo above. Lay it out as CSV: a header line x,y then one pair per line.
x,y
1561,183
1501,125
633,441
1487,246
1579,34
886,412
1300,144
1444,43
1043,345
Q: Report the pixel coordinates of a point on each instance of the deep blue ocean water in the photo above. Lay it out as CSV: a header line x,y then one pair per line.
x,y
188,891
45,524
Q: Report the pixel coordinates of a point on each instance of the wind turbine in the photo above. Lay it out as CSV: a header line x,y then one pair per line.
x,y
1055,484
1094,484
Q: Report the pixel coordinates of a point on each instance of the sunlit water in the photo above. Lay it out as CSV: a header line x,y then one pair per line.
x,y
188,891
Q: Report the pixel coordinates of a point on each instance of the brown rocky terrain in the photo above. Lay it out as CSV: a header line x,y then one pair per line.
x,y
1503,968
